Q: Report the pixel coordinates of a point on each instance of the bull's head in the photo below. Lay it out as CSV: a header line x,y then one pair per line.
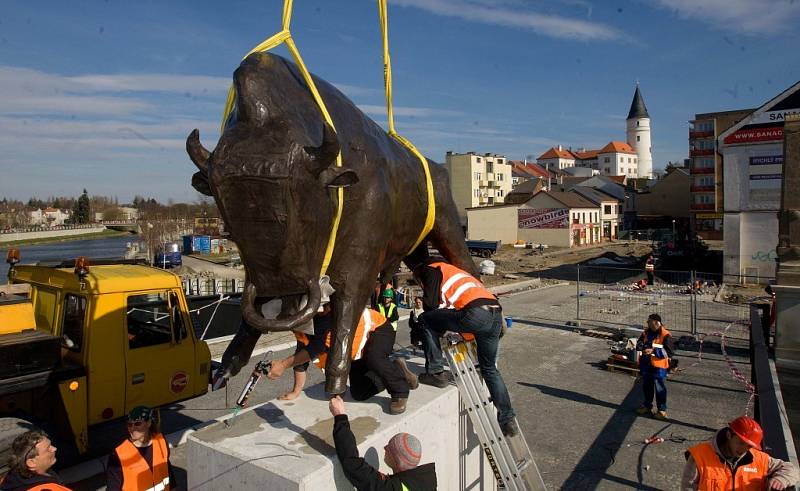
x,y
274,182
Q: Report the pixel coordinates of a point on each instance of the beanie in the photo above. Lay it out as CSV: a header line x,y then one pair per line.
x,y
406,451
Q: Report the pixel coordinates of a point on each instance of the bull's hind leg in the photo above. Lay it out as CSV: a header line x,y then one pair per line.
x,y
448,237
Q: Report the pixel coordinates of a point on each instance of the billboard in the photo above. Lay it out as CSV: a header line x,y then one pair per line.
x,y
543,218
750,135
765,180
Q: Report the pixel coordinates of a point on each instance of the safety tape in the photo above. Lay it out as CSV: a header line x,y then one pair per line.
x,y
737,375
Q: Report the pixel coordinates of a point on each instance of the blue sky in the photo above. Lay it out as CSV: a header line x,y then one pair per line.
x,y
101,94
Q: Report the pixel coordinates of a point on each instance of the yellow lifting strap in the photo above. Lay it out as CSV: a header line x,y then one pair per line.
x,y
430,217
284,36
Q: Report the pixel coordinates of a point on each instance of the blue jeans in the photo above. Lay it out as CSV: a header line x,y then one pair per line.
x,y
652,384
486,326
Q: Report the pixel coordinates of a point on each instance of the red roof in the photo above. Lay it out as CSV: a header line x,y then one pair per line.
x,y
617,147
619,179
528,170
587,154
555,153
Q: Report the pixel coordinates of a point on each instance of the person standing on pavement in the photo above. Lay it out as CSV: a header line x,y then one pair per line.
x,y
414,323
655,346
32,458
456,301
372,369
388,308
733,459
142,460
650,269
402,454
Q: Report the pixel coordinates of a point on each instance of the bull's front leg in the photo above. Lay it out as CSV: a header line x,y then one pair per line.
x,y
348,305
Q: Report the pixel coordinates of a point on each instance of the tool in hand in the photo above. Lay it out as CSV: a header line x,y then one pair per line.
x,y
262,368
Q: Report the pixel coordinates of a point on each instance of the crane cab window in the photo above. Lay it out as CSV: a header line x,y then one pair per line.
x,y
72,327
150,319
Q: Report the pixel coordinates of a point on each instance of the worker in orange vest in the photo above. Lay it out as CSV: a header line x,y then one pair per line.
x,y
733,459
455,301
655,348
371,371
141,462
32,457
650,269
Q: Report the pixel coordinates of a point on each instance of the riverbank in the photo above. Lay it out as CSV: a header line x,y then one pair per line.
x,y
104,234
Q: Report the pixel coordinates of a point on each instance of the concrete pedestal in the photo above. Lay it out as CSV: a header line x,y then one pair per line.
x,y
787,326
289,445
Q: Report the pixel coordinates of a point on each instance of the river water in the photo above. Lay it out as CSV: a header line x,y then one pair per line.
x,y
110,247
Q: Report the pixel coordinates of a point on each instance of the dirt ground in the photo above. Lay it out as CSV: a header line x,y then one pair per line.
x,y
514,264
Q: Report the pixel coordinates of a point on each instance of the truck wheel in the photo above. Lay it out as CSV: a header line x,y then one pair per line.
x,y
486,253
10,428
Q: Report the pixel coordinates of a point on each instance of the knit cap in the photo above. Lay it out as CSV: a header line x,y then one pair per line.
x,y
406,450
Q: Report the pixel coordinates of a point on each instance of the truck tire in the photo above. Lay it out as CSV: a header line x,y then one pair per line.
x,y
486,253
10,428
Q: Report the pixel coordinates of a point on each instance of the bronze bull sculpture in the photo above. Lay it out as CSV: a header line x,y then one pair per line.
x,y
273,177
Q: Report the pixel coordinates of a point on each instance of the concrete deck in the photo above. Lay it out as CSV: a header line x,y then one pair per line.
x,y
578,417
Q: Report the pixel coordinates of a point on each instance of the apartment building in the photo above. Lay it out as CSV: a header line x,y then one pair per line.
x,y
477,180
705,168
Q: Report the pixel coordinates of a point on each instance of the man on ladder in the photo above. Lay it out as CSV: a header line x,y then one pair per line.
x,y
455,301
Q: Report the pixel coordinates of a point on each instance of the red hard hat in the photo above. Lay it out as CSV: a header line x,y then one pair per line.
x,y
748,430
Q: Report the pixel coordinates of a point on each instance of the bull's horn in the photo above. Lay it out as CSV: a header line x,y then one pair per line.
x,y
257,321
328,150
197,153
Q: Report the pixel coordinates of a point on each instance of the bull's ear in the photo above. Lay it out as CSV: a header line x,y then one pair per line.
x,y
200,183
338,177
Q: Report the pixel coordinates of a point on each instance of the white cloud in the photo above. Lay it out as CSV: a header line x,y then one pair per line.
x,y
27,91
548,25
748,16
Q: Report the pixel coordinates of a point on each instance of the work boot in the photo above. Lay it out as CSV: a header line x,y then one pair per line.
x,y
440,379
413,381
644,410
398,405
509,428
662,415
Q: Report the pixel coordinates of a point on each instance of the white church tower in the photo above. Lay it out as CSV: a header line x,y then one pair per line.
x,y
638,134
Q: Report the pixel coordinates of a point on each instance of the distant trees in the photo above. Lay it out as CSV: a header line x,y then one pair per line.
x,y
81,212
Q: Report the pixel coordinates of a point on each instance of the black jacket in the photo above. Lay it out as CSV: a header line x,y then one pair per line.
x,y
14,482
364,477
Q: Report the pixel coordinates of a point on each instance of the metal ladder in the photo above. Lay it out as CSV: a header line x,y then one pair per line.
x,y
510,458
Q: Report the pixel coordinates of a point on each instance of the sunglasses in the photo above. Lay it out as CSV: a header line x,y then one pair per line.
x,y
138,424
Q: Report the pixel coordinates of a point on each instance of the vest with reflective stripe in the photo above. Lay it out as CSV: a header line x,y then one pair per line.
x,y
49,486
369,321
659,340
136,474
649,267
383,312
715,475
459,288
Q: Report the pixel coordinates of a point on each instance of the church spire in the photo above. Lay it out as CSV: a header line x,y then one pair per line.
x,y
638,109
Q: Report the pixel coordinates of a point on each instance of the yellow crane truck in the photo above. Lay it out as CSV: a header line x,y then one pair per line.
x,y
82,346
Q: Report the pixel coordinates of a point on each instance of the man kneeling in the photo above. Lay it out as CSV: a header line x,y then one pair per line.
x,y
372,370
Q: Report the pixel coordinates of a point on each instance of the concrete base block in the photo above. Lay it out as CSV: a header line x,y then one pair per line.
x,y
787,327
283,445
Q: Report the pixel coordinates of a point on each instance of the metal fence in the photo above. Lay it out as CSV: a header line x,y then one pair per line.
x,y
211,286
688,301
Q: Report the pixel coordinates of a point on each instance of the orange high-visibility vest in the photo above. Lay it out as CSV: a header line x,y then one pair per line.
x,y
459,288
51,486
659,340
715,475
136,474
369,321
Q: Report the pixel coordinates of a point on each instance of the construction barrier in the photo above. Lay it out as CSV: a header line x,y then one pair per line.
x,y
687,301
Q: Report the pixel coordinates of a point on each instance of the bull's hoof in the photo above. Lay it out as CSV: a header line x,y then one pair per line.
x,y
335,385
